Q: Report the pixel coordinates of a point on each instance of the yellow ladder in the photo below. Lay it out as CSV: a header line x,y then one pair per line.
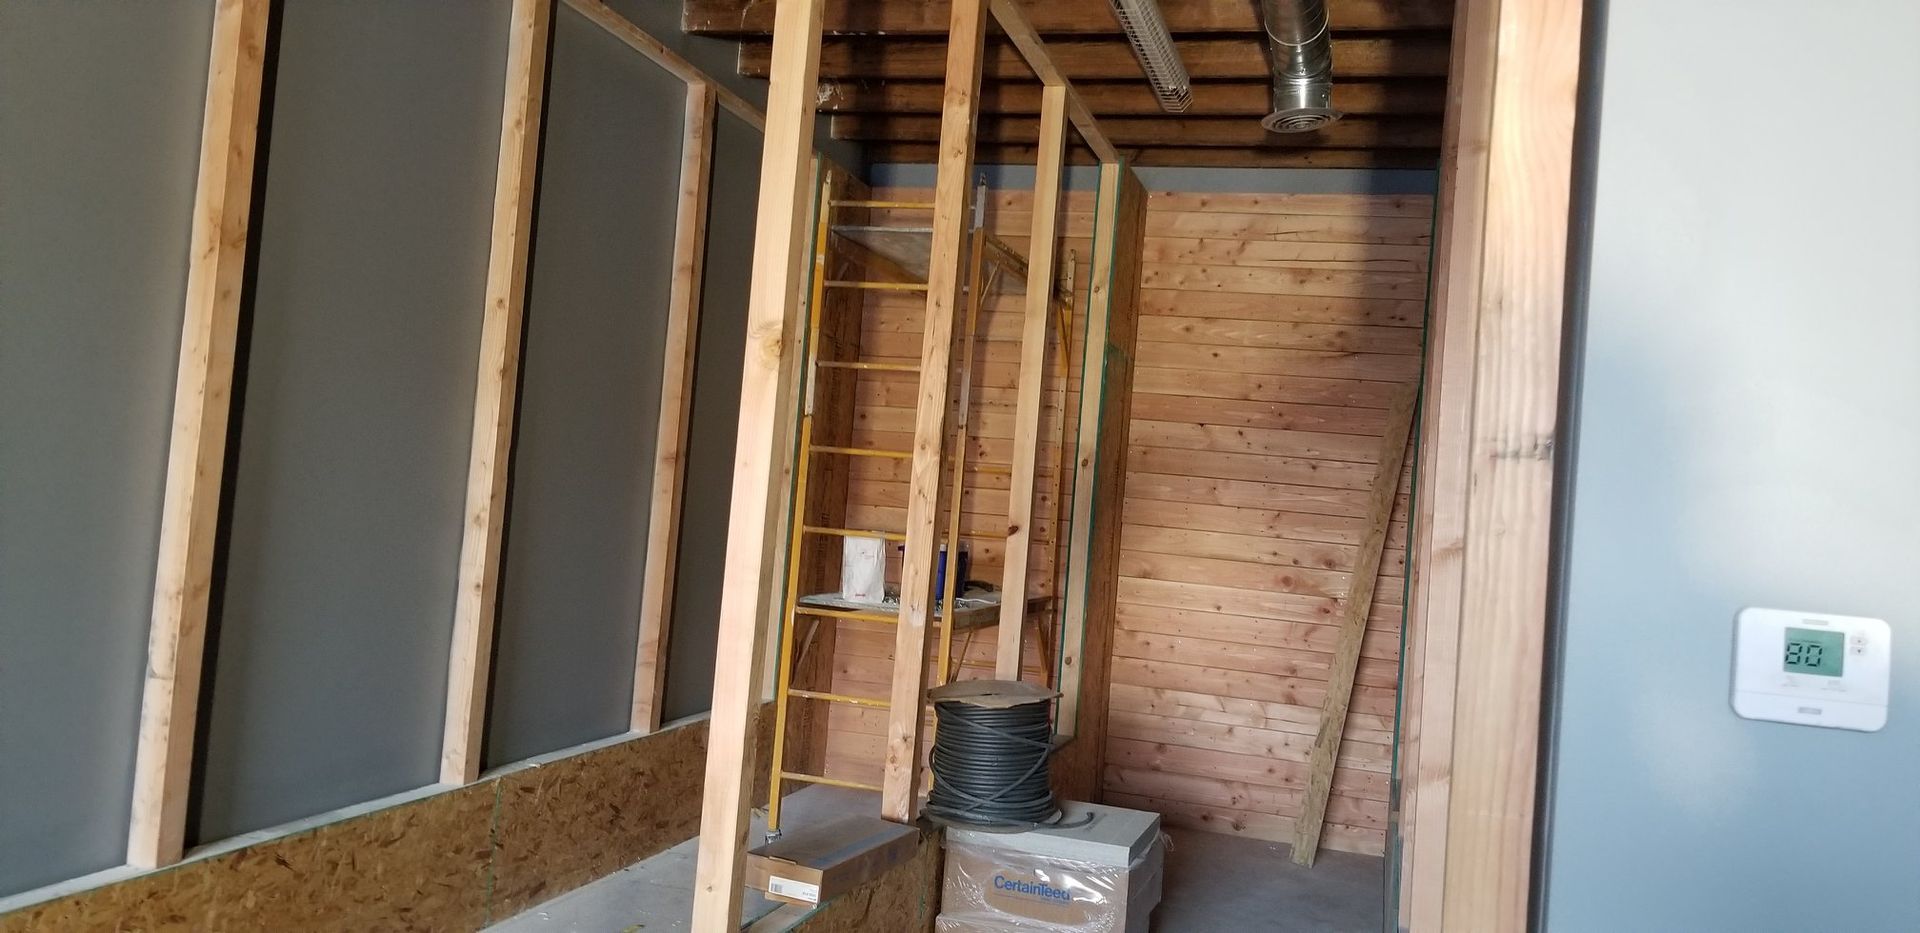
x,y
793,610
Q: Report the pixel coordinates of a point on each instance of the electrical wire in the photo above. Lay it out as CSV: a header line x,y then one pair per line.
x,y
990,765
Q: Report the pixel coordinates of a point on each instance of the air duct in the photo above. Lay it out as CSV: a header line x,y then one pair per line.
x,y
1146,30
1300,53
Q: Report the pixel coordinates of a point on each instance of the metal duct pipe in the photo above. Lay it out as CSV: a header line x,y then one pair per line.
x,y
1300,53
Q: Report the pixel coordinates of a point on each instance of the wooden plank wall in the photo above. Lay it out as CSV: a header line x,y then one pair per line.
x,y
1274,332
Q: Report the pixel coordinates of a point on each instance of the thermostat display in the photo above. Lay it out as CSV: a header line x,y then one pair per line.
x,y
1812,669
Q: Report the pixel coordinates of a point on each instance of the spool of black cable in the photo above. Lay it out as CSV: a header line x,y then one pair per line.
x,y
990,752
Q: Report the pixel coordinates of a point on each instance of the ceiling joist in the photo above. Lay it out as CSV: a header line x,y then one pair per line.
x,y
1238,58
747,18
1352,133
1114,99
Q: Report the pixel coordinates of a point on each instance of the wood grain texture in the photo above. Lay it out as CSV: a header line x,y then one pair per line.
x,y
454,860
769,368
1058,17
496,393
1081,60
1513,435
203,391
1043,245
953,187
1357,603
676,404
1440,528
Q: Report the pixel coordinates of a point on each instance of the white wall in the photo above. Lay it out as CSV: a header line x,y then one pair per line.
x,y
1748,434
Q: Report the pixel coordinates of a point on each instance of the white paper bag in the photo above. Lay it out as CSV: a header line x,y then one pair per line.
x,y
863,569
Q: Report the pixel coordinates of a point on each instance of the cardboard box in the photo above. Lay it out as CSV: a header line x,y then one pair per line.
x,y
815,863
1101,876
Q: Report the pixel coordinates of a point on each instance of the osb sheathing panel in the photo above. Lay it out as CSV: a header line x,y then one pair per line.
x,y
569,822
904,899
451,861
419,865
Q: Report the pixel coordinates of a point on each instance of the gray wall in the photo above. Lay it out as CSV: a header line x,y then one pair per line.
x,y
715,418
329,657
589,398
93,248
1747,436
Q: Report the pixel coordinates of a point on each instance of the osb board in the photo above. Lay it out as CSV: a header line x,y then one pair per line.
x,y
451,861
420,865
905,899
571,821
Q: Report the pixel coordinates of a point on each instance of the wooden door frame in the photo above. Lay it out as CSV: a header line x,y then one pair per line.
x,y
1478,612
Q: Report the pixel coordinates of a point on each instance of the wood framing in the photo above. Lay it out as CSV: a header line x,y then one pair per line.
x,y
1041,246
676,404
196,452
1014,22
1113,326
951,204
1355,609
1515,424
779,263
656,51
495,392
1438,529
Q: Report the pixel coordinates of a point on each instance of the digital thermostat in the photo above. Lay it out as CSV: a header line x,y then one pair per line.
x,y
1812,669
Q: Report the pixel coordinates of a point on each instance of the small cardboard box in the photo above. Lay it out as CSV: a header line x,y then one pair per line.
x,y
812,864
1099,871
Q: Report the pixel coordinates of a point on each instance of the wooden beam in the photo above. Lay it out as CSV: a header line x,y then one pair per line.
x,y
951,202
196,454
741,18
495,392
1130,132
1243,58
780,249
1355,609
1430,654
1014,23
1134,99
676,404
643,42
1180,155
1042,243
1514,434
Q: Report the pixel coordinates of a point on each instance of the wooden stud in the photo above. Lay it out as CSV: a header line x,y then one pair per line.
x,y
1355,609
1509,503
657,52
676,404
1079,532
1041,246
1014,23
779,261
495,392
1439,528
951,204
196,453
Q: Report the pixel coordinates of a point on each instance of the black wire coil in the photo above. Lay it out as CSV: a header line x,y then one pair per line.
x,y
990,765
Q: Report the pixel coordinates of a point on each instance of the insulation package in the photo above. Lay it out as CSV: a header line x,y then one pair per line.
x,y
1101,874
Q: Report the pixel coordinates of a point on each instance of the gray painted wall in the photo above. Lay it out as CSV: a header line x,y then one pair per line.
x,y
715,418
1747,435
329,659
590,396
93,248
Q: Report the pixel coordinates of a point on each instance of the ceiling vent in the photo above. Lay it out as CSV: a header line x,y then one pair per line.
x,y
1300,54
1147,31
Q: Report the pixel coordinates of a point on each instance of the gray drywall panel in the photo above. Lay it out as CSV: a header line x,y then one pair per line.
x,y
590,396
329,665
720,60
715,419
99,138
1166,178
1747,436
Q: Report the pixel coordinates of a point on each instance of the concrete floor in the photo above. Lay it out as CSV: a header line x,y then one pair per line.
x,y
1215,883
